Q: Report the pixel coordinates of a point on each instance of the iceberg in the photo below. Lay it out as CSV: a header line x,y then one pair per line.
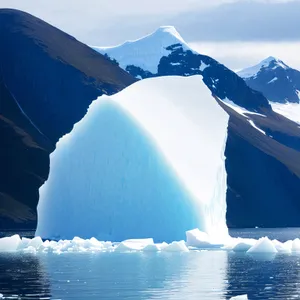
x,y
151,248
296,245
10,243
134,245
146,162
176,247
242,247
263,245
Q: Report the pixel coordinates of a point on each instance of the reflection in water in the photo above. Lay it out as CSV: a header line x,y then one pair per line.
x,y
23,275
206,275
262,277
202,279
138,275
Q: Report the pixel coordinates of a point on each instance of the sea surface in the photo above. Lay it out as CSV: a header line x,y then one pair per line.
x,y
204,275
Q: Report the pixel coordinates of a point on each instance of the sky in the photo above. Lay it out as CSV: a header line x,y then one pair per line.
x,y
238,33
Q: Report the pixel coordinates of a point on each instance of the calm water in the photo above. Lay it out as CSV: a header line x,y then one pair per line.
x,y
195,275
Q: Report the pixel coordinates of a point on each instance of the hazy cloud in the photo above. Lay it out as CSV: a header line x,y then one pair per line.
x,y
244,21
111,22
238,55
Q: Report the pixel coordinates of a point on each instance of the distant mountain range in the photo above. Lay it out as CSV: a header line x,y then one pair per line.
x,y
48,79
263,158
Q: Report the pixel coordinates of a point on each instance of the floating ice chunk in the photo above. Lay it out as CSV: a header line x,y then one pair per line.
x,y
30,249
239,244
24,243
281,247
162,245
263,245
196,238
242,247
241,297
35,242
288,244
1,296
77,241
107,246
296,245
151,248
134,245
65,246
53,244
94,243
123,247
10,243
176,247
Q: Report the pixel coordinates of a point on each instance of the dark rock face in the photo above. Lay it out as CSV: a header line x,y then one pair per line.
x,y
24,160
263,170
263,174
49,71
277,81
47,81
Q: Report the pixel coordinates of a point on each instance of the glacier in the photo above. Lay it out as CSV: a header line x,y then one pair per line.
x,y
147,162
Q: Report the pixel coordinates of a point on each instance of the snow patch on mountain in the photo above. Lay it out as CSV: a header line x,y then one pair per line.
x,y
288,110
203,67
240,110
147,51
273,80
254,126
146,162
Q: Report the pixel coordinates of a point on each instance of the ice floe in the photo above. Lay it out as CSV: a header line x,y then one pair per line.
x,y
195,240
241,297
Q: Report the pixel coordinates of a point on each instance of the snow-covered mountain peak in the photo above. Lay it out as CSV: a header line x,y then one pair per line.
x,y
164,31
270,59
147,51
269,63
275,79
274,62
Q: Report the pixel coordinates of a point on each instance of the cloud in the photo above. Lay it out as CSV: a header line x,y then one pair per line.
x,y
110,22
93,20
243,21
239,55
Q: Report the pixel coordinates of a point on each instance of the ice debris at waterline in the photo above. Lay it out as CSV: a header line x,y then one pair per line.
x,y
241,297
195,241
146,162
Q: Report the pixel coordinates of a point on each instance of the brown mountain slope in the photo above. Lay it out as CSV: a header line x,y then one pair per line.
x,y
47,81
